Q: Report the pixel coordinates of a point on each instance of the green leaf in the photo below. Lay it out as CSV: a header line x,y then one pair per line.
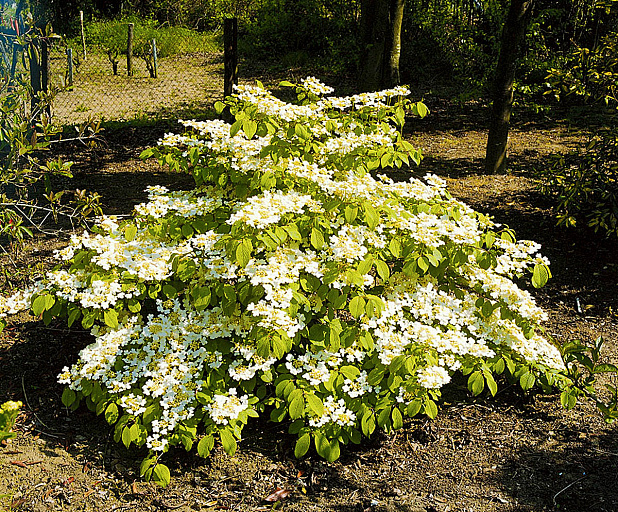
x,y
297,404
421,109
383,270
147,153
350,213
368,422
334,451
228,441
301,131
526,381
431,409
205,446
317,238
219,107
413,408
201,297
422,263
605,367
145,469
365,266
130,232
350,372
397,418
68,397
39,305
243,252
357,306
371,215
111,413
126,436
302,445
491,383
315,404
169,291
111,318
249,126
540,275
322,446
476,382
235,128
161,475
395,247
568,400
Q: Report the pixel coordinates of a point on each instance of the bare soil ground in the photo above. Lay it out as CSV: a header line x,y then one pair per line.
x,y
515,452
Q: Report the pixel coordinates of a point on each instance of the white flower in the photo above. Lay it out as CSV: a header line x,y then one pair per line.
x,y
224,408
433,377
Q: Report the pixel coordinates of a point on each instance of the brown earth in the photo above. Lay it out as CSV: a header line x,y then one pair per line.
x,y
515,452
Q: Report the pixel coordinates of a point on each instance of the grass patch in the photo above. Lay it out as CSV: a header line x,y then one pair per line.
x,y
111,35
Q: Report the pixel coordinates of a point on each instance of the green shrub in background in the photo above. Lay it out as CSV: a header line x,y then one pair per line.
x,y
587,74
584,185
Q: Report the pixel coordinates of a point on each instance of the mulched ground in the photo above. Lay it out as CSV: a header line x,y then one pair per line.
x,y
515,452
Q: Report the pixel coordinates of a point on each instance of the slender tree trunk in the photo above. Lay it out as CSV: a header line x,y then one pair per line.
x,y
512,36
394,47
381,22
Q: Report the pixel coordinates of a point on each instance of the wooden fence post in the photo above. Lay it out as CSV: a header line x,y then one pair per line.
x,y
130,50
45,71
230,55
35,73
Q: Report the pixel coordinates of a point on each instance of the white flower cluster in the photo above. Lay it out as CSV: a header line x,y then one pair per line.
x,y
224,408
336,413
433,377
267,208
313,85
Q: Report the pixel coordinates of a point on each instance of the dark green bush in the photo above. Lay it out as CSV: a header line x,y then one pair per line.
x,y
585,184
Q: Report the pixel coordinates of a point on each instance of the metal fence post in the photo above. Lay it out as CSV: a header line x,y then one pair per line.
x,y
70,66
130,49
81,22
230,55
154,58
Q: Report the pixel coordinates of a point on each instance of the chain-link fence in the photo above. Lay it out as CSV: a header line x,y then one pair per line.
x,y
121,70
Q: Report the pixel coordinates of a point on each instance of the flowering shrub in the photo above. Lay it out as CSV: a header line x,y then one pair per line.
x,y
293,282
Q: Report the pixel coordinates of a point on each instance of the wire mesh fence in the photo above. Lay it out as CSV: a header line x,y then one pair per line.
x,y
125,70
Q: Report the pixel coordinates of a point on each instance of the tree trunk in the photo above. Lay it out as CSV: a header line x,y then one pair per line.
x,y
381,22
512,36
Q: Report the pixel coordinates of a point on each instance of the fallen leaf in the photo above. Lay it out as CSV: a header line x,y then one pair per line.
x,y
279,494
17,503
86,467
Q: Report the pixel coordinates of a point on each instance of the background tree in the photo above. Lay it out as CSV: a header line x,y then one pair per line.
x,y
381,22
512,37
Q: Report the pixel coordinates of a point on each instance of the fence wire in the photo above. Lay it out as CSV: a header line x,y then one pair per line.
x,y
170,71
